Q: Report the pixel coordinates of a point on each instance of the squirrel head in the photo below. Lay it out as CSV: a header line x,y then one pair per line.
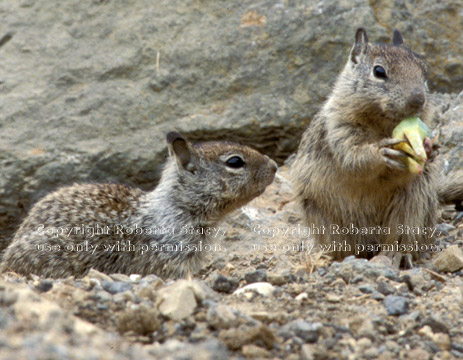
x,y
390,77
217,177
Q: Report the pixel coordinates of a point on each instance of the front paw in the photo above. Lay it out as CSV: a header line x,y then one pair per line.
x,y
392,157
431,148
399,260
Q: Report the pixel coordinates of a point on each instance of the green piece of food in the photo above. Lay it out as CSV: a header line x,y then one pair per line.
x,y
414,131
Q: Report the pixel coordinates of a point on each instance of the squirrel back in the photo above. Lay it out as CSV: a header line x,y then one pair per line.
x,y
451,190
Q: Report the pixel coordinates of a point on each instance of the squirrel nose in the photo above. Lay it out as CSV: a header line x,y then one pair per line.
x,y
416,99
274,166
272,163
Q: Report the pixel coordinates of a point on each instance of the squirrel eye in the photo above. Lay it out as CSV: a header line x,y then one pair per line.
x,y
235,162
379,72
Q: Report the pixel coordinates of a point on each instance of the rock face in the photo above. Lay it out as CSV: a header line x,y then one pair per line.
x,y
89,89
451,131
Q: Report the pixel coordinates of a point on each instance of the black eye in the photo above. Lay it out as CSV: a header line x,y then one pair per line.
x,y
235,162
379,72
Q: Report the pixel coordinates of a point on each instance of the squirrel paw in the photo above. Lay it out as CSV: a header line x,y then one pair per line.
x,y
399,260
391,156
431,148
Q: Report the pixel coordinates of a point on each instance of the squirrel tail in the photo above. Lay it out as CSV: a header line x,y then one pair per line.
x,y
451,190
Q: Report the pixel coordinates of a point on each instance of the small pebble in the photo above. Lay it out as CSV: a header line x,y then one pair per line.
x,y
256,276
94,274
115,287
123,297
252,351
442,340
177,301
333,298
225,284
396,305
221,317
449,260
280,278
308,332
120,277
371,353
44,285
302,296
419,354
385,288
366,288
262,288
135,277
307,352
377,295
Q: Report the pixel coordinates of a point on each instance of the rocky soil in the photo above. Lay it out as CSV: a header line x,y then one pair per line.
x,y
261,294
88,90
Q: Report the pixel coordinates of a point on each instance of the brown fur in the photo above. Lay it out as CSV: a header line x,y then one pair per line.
x,y
197,189
343,173
451,190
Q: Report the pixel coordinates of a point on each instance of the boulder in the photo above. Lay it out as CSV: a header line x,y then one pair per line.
x,y
90,89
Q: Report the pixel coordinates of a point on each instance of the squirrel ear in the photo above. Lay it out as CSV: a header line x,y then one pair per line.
x,y
181,149
397,38
360,45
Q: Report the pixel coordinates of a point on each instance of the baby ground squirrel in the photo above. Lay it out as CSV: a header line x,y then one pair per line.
x,y
346,173
200,184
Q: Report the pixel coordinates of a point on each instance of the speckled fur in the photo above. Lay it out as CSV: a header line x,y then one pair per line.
x,y
451,189
195,193
339,174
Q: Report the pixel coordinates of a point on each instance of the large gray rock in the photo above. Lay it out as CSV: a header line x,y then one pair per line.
x,y
451,131
90,88
432,29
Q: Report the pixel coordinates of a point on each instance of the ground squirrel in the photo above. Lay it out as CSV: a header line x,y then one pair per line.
x,y
72,230
346,173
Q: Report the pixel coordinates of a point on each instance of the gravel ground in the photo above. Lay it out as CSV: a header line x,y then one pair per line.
x,y
259,297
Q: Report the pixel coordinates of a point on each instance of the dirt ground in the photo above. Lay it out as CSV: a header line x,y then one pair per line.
x,y
294,303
